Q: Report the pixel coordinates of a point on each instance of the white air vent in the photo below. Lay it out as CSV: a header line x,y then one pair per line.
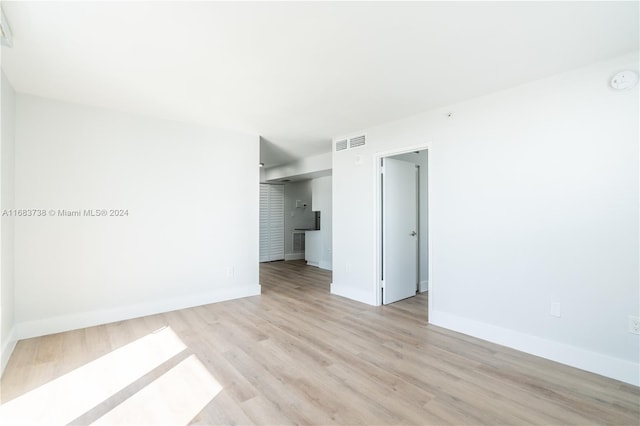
x,y
349,143
357,141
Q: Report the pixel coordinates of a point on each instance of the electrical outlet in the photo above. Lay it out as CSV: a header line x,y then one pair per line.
x,y
554,311
230,272
634,324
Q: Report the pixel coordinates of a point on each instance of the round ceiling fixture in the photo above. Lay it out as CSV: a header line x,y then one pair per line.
x,y
624,80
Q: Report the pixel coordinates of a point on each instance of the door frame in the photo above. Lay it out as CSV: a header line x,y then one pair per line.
x,y
377,169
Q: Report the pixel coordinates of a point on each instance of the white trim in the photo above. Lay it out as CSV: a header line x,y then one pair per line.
x,y
294,256
25,330
7,349
614,368
430,284
313,263
377,223
424,286
353,293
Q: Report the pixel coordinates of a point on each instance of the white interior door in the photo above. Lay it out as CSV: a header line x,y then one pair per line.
x,y
399,230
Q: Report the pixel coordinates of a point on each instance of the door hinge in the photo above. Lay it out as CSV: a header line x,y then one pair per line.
x,y
382,284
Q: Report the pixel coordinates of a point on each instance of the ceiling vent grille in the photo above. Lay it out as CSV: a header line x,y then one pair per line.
x,y
341,145
357,141
349,143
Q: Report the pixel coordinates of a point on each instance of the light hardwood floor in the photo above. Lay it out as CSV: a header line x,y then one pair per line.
x,y
297,354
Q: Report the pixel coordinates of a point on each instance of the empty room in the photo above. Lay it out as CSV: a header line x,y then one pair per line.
x,y
320,213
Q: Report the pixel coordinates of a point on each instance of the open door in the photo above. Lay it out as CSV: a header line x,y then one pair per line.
x,y
399,230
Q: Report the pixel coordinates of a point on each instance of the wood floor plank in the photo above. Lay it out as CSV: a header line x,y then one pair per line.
x,y
299,355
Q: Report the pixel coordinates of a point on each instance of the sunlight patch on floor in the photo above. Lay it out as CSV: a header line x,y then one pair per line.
x,y
73,394
175,398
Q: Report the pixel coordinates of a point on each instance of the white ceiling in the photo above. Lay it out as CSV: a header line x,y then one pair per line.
x,y
299,74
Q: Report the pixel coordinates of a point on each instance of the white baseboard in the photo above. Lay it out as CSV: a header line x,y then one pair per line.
x,y
354,294
424,286
614,368
7,349
312,263
294,256
25,330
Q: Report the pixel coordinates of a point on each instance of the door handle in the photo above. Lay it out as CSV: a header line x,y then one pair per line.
x,y
413,233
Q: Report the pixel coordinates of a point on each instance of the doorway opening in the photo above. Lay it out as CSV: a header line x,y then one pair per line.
x,y
403,261
295,230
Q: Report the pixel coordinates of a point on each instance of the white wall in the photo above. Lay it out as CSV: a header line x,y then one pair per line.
x,y
7,290
322,202
421,159
191,236
296,217
534,200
